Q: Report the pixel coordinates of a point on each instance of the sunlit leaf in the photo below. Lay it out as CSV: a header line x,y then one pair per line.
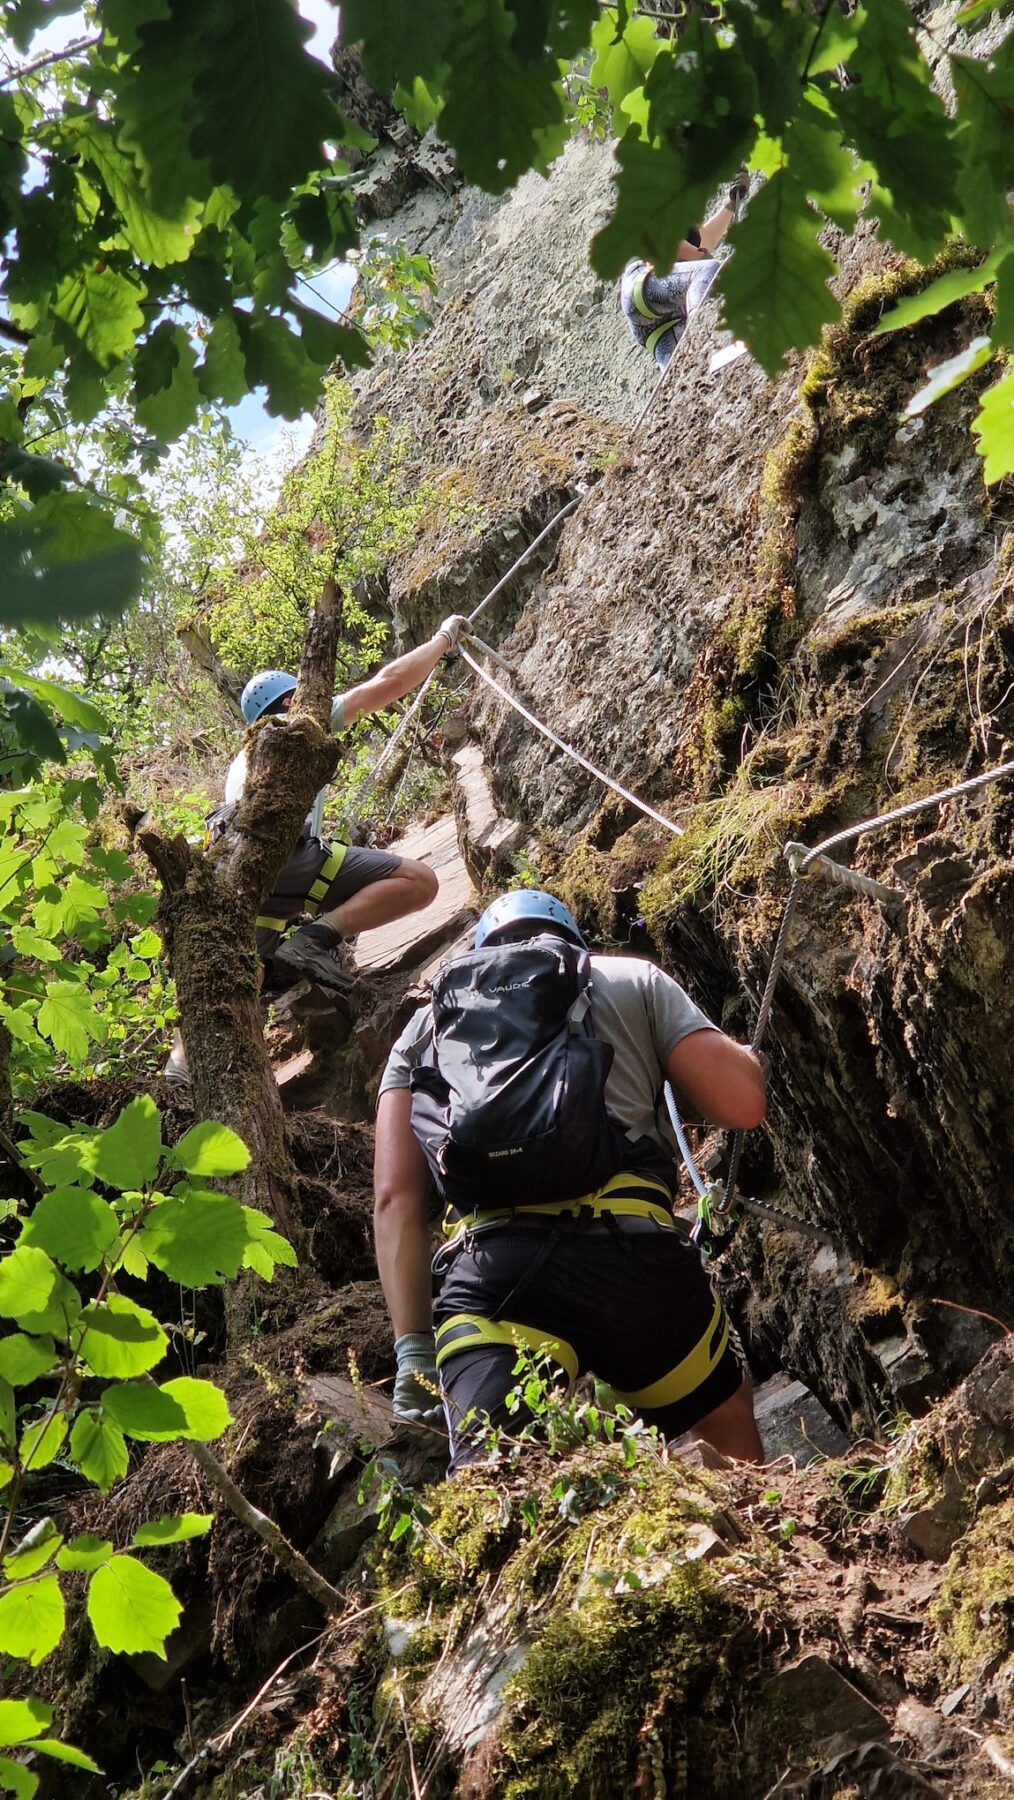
x,y
31,1619
131,1608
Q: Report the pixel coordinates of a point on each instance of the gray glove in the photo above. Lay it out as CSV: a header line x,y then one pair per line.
x,y
739,190
452,628
416,1355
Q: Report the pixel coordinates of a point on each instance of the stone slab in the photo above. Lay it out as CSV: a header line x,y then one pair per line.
x,y
792,1422
407,941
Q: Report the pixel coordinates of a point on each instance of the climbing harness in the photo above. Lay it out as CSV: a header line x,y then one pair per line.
x,y
641,306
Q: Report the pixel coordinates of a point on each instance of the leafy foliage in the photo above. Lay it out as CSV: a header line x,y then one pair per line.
x,y
67,1335
841,114
83,989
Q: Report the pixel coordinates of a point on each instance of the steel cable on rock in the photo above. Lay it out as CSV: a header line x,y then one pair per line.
x,y
803,866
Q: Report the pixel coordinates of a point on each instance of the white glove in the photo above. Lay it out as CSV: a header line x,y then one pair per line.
x,y
452,628
416,1355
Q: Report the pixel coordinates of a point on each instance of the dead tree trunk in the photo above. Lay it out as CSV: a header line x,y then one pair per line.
x,y
210,900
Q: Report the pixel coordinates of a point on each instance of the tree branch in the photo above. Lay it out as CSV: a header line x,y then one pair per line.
x,y
8,329
69,51
284,1553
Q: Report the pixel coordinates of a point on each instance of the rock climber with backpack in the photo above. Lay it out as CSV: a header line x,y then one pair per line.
x,y
344,889
658,308
528,1094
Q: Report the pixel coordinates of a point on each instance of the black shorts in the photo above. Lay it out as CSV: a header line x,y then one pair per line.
x,y
633,1305
358,869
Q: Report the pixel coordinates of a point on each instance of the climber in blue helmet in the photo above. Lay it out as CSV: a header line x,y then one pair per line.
x,y
346,889
657,307
527,1093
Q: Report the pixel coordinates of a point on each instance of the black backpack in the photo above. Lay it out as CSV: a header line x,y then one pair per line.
x,y
508,1099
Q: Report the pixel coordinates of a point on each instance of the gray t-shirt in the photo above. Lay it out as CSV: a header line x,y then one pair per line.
x,y
235,780
635,1007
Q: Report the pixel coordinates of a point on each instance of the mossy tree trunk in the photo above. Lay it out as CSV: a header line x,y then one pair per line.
x,y
210,901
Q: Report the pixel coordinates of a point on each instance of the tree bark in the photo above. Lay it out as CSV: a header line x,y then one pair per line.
x,y
210,900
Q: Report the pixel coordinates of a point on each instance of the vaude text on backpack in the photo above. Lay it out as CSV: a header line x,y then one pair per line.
x,y
507,1102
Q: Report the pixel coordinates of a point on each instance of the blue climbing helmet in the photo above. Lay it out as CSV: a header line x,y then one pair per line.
x,y
262,691
524,904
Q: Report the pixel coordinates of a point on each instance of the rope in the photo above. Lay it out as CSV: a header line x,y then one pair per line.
x,y
683,1142
569,750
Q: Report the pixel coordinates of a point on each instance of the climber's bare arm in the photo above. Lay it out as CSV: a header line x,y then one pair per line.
x,y
395,680
714,229
721,1079
401,1187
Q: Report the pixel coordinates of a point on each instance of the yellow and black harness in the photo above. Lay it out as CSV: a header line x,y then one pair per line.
x,y
317,892
625,1196
646,312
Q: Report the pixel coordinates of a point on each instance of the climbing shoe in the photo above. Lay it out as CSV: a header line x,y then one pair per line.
x,y
176,1075
320,952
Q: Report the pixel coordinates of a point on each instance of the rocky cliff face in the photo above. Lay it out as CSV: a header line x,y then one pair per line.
x,y
777,610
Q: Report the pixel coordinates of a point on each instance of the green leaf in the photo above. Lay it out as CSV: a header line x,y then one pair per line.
x,y
166,391
173,1531
1002,331
99,1449
23,1719
41,1442
656,198
897,122
84,1553
123,19
622,62
153,102
24,1359
994,428
31,1619
828,170
128,1154
6,1473
955,285
196,1238
183,1408
78,711
222,374
266,1247
65,558
121,1339
261,101
36,1549
950,374
17,1780
776,285
985,140
155,237
277,360
29,943
65,1753
67,1017
102,309
210,1149
131,1608
73,1225
494,141
33,1291
400,38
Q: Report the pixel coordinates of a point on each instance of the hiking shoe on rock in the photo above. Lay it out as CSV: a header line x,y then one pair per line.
x,y
320,953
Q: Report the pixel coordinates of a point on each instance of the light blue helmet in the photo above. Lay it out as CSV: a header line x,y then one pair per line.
x,y
523,904
262,691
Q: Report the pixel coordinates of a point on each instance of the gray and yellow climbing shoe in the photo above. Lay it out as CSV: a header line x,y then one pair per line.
x,y
176,1075
320,952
